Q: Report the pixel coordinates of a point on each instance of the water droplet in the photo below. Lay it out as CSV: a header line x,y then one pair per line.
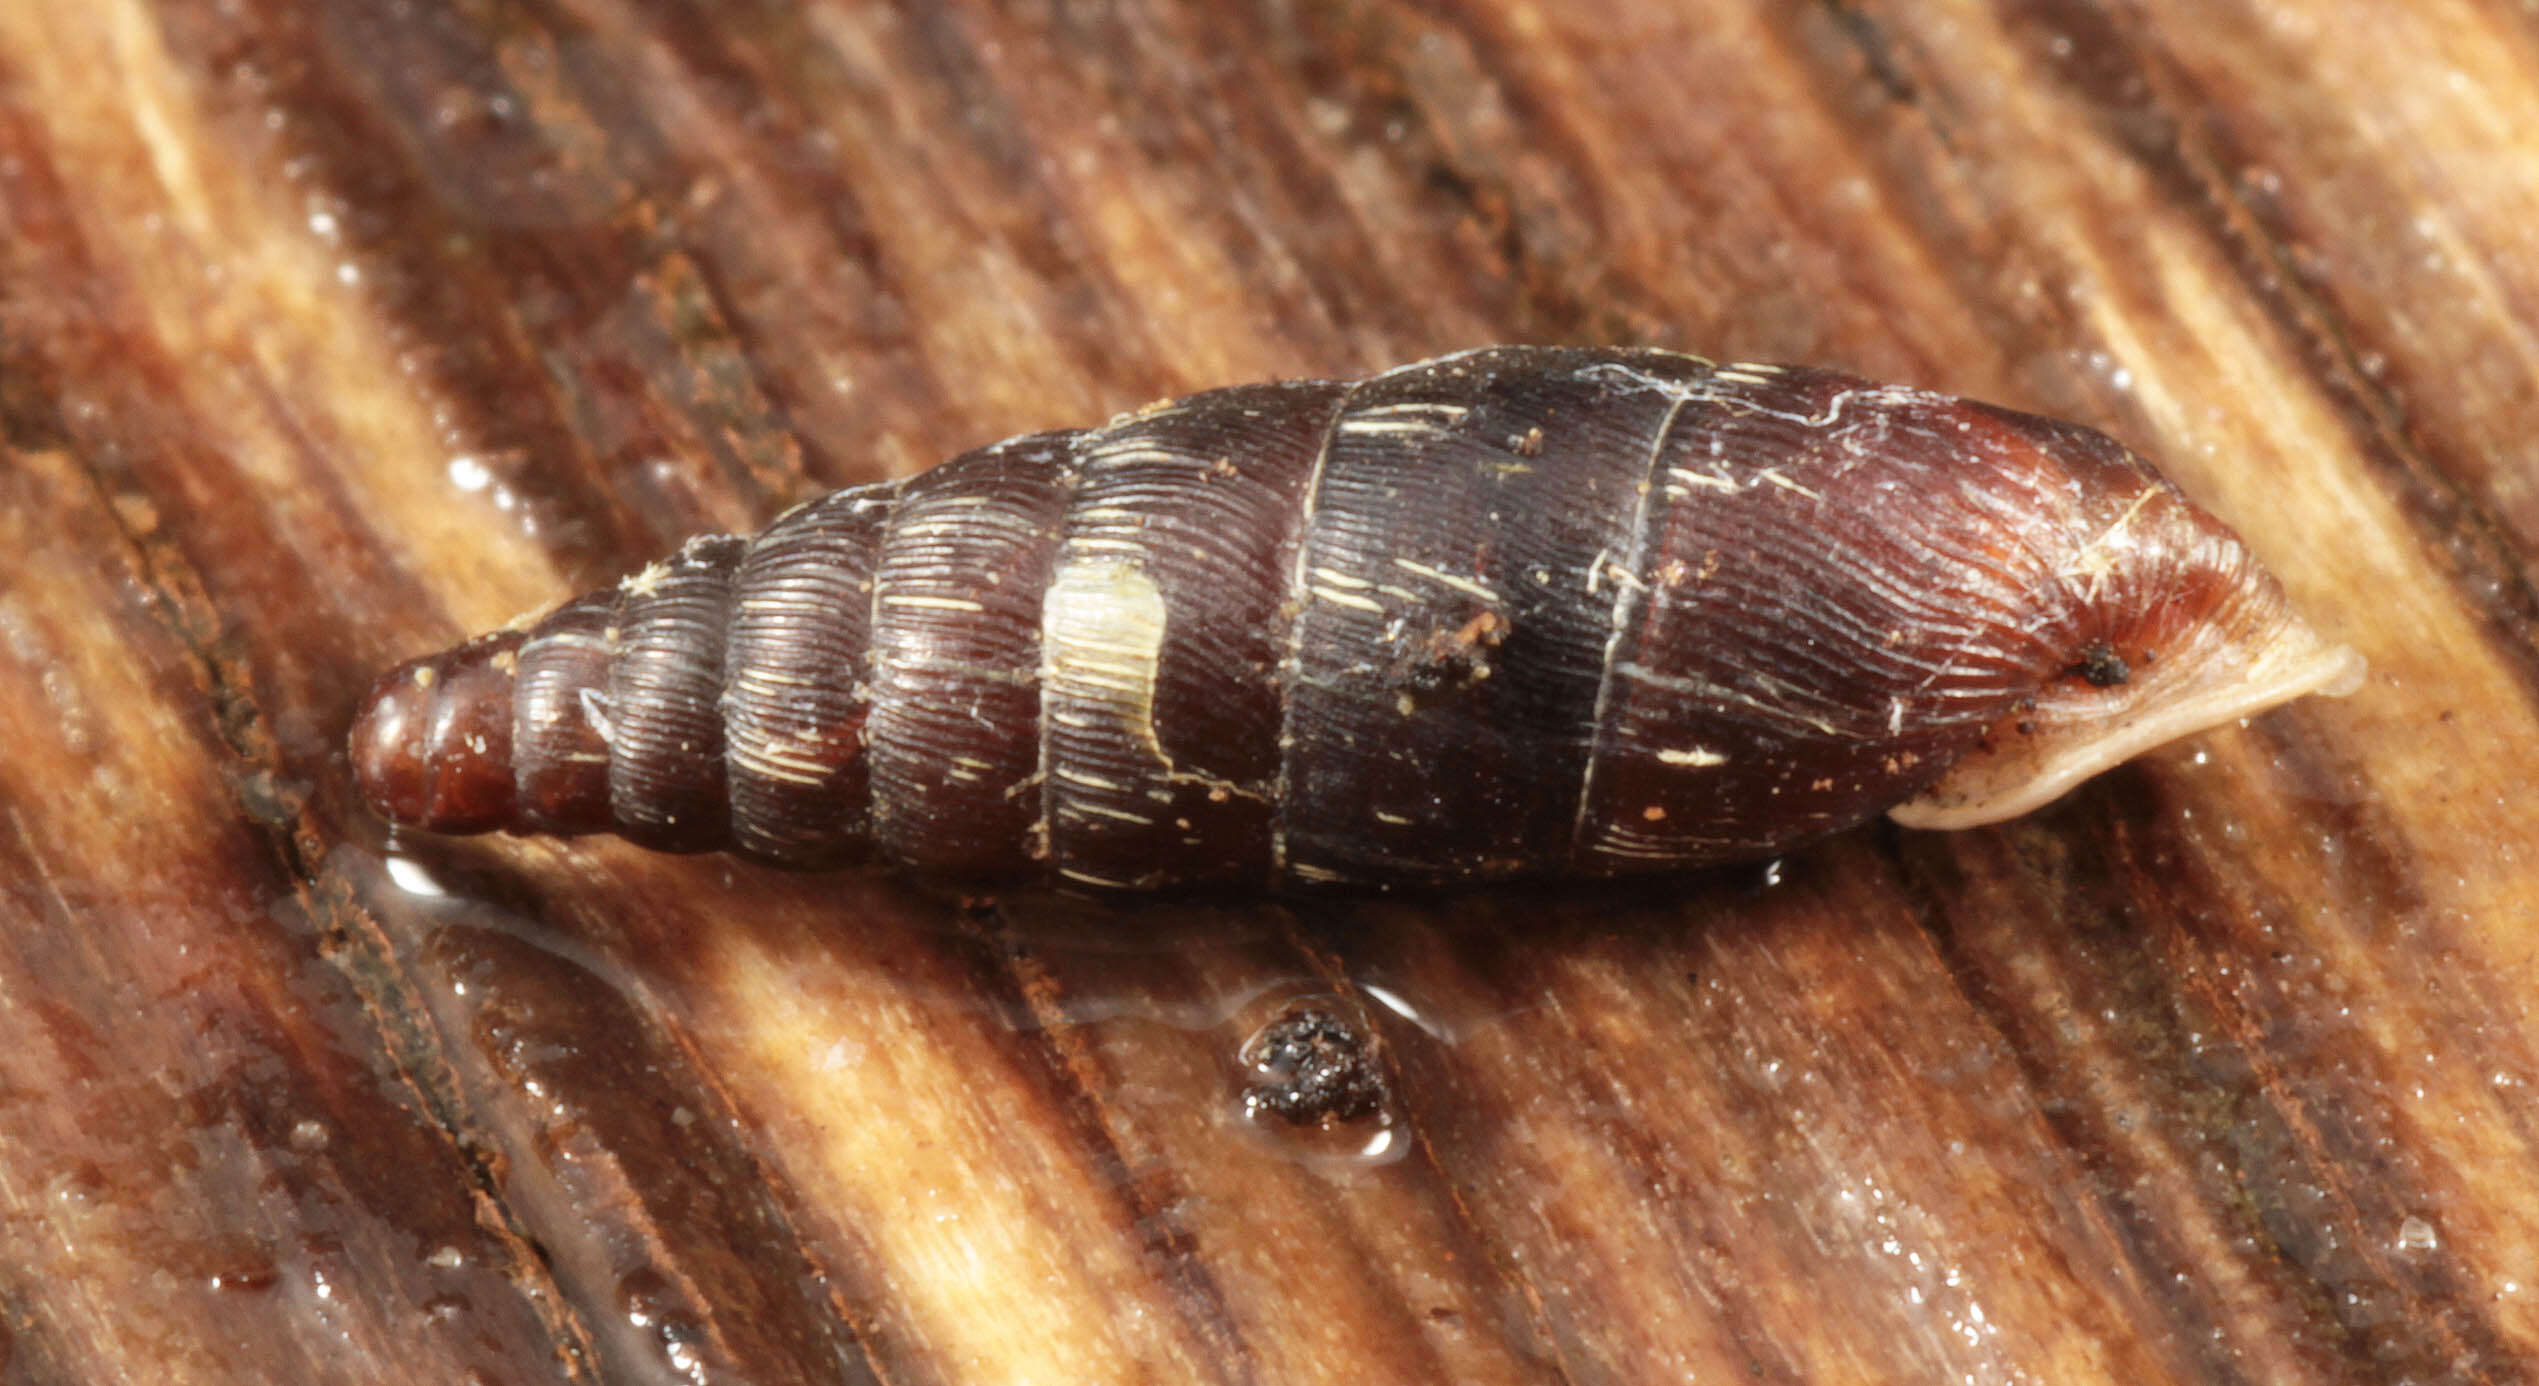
x,y
1314,1066
411,877
1322,1092
651,1303
1394,1001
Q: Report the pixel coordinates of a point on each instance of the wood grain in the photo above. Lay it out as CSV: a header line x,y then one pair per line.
x,y
332,330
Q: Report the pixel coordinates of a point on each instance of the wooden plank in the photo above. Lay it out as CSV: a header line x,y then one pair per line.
x,y
330,331
215,1169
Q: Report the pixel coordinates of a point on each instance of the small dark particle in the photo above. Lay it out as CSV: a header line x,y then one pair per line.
x,y
2102,666
1317,1068
1450,661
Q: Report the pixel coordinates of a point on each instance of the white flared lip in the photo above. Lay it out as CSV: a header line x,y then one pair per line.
x,y
2293,667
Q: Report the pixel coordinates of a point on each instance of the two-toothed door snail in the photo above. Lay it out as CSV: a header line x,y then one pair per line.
x,y
1515,612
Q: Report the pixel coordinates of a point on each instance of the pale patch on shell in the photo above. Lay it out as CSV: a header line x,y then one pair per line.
x,y
1102,628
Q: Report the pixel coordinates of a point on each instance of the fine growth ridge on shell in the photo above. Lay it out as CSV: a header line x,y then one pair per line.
x,y
1516,612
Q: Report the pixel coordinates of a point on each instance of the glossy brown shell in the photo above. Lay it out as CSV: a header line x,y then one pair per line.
x,y
1514,612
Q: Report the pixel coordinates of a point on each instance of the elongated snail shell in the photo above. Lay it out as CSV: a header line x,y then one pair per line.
x,y
1514,612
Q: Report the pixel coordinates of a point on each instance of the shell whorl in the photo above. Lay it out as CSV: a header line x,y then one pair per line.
x,y
1520,611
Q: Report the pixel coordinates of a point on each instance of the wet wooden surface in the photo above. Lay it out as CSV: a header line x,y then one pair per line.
x,y
331,330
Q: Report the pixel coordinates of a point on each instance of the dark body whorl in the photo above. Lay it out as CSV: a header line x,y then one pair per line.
x,y
1516,612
